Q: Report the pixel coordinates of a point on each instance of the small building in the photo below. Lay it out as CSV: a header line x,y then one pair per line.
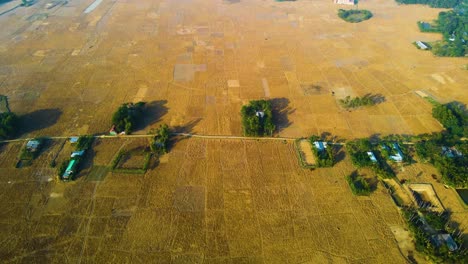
x,y
260,114
421,45
77,153
73,140
344,2
320,145
33,145
112,131
440,239
372,156
451,152
395,153
70,170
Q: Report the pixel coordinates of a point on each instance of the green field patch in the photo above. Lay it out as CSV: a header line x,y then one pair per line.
x,y
98,173
135,161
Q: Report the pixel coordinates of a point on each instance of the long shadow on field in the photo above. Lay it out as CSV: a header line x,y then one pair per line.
x,y
281,110
376,98
153,112
39,119
187,128
340,153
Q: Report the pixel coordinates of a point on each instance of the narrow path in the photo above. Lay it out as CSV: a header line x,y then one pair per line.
x,y
182,134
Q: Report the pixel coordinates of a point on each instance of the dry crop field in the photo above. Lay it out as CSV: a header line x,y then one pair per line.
x,y
210,201
196,62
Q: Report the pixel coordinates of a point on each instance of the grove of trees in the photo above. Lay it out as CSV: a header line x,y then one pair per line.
x,y
257,118
127,116
354,15
160,140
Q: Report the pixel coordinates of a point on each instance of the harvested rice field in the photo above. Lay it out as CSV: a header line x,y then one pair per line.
x,y
213,201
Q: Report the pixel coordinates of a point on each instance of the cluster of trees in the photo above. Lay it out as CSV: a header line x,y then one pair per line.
x,y
358,149
257,118
452,166
453,117
358,184
354,15
423,235
453,25
433,3
454,169
160,140
356,102
127,116
8,125
324,158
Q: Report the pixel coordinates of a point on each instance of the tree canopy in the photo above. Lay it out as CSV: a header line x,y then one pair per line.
x,y
257,118
127,116
8,125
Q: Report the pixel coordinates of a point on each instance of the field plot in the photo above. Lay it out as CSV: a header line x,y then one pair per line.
x,y
212,200
206,65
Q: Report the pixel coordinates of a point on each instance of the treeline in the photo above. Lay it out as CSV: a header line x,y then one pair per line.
x,y
257,118
432,3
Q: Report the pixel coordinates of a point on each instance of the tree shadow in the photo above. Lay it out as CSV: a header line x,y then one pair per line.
x,y
376,98
187,128
339,154
281,110
38,120
153,112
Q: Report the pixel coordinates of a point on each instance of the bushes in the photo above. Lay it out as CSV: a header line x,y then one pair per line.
x,y
356,102
257,118
358,185
354,15
127,117
116,167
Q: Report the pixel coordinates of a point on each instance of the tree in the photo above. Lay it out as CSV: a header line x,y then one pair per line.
x,y
160,140
8,125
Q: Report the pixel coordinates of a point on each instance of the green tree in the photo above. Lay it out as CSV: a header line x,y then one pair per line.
x,y
8,125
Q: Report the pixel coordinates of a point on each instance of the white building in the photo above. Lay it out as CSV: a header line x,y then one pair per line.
x,y
344,2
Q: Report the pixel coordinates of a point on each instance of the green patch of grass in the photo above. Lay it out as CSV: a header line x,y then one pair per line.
x,y
98,173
